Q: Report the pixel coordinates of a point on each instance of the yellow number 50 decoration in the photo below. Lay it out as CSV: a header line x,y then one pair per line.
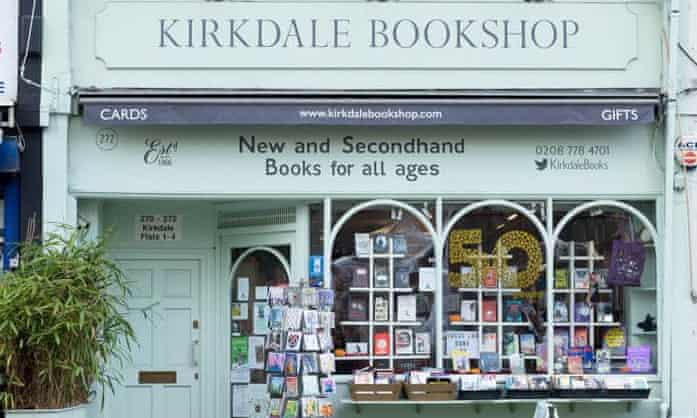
x,y
527,243
465,248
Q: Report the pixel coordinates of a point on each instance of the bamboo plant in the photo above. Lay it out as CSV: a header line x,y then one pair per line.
x,y
63,332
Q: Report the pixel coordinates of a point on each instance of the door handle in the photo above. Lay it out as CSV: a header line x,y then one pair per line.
x,y
195,352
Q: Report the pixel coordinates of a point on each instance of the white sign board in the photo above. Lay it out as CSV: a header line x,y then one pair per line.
x,y
357,35
158,227
8,51
255,161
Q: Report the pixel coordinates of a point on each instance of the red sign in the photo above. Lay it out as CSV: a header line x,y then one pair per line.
x,y
686,151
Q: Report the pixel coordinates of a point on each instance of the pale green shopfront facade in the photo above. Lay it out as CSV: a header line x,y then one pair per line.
x,y
201,175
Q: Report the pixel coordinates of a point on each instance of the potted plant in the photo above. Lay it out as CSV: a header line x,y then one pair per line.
x,y
61,326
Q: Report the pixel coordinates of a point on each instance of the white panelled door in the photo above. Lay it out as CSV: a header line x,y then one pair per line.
x,y
163,379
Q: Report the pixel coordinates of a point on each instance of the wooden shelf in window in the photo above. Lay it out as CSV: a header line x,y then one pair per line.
x,y
486,290
587,324
381,289
381,323
606,291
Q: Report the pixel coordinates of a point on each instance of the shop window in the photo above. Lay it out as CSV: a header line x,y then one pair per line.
x,y
605,291
384,276
494,281
254,271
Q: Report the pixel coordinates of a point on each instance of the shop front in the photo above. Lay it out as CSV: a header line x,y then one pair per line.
x,y
483,195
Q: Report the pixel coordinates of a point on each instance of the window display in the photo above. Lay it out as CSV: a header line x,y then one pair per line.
x,y
493,264
502,307
610,260
383,273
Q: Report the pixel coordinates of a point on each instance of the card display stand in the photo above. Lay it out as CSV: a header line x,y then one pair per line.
x,y
312,311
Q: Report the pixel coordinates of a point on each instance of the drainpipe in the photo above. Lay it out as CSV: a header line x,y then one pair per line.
x,y
670,132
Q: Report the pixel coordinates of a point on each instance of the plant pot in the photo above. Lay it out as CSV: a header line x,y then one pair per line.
x,y
74,412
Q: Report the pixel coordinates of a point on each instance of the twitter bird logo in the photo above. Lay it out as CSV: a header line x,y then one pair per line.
x,y
542,164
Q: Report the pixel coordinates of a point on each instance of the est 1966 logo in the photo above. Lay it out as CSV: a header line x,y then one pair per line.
x,y
160,152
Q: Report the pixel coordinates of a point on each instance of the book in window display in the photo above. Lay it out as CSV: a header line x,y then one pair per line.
x,y
381,276
603,312
382,308
513,311
561,279
422,343
511,344
406,308
581,278
541,357
603,361
427,279
489,362
489,278
510,277
381,243
356,349
360,277
467,341
574,360
639,358
461,360
582,312
489,341
399,244
561,311
561,341
489,313
358,308
401,278
581,337
404,341
468,311
362,243
381,344
527,344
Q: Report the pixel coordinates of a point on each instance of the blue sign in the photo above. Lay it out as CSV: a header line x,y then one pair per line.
x,y
316,270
